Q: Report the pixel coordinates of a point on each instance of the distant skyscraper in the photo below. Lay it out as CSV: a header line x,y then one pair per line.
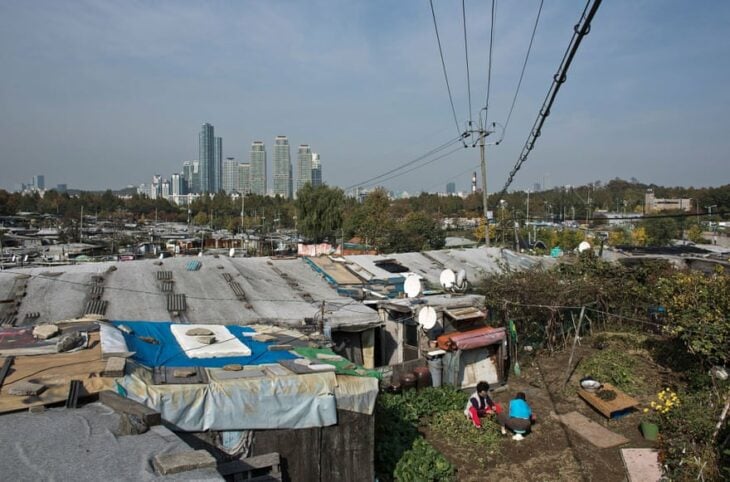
x,y
191,173
39,182
244,178
282,167
177,184
316,170
451,188
218,165
304,167
156,187
257,176
207,158
165,189
230,175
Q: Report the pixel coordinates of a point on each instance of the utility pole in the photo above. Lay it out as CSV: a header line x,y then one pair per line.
x,y
482,155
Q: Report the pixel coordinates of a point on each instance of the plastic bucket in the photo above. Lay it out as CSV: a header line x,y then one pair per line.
x,y
649,430
435,365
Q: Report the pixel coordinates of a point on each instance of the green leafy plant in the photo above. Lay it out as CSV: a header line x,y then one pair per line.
x,y
423,463
453,425
614,367
397,418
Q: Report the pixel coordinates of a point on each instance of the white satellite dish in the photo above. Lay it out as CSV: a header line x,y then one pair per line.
x,y
232,252
427,317
447,279
200,254
14,258
461,281
25,258
161,256
583,246
412,286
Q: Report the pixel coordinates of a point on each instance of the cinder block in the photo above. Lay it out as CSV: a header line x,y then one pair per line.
x,y
167,464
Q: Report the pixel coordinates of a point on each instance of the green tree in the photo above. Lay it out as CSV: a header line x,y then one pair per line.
x,y
698,307
376,222
319,211
417,232
660,231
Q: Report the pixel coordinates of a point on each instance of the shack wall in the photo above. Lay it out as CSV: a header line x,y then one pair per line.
x,y
340,452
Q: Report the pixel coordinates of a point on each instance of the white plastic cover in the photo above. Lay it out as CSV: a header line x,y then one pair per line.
x,y
226,343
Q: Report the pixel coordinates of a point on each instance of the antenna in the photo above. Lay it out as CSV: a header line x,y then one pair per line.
x,y
447,279
412,286
461,282
427,318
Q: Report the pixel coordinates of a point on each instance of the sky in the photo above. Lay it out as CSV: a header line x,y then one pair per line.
x,y
98,94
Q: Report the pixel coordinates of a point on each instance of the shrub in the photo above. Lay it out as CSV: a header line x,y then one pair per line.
x,y
685,447
423,463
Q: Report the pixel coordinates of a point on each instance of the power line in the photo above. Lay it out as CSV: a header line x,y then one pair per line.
x,y
417,159
419,165
466,55
454,176
522,74
443,65
489,71
580,30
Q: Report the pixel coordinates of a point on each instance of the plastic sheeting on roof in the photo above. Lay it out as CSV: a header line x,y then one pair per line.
x,y
167,352
291,402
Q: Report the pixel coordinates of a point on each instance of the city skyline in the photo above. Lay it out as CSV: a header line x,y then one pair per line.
x,y
106,89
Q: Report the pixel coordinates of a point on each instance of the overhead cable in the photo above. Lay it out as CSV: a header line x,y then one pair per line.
x,y
522,74
466,55
458,148
409,163
489,71
443,65
580,30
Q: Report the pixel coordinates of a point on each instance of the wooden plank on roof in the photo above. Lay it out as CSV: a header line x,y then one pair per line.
x,y
468,313
339,272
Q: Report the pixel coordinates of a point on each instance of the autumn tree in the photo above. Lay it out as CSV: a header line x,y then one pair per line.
x,y
319,211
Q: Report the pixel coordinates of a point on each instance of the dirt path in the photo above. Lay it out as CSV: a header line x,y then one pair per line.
x,y
553,452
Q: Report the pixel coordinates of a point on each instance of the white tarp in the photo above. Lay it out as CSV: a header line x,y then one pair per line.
x,y
112,341
226,344
270,402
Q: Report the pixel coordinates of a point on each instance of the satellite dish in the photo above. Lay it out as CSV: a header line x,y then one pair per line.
x,y
461,281
14,258
232,252
200,254
447,279
412,286
161,256
25,258
427,317
583,246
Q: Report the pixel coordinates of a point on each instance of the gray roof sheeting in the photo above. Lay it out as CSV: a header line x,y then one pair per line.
x,y
133,292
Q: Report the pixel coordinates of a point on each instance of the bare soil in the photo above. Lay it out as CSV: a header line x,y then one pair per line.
x,y
552,451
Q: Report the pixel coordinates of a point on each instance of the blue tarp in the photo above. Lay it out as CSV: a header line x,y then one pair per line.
x,y
169,353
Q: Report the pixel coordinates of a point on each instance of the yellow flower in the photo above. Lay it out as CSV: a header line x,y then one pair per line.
x,y
646,410
653,404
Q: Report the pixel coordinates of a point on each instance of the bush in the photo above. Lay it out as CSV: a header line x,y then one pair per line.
x,y
397,418
614,367
423,463
685,447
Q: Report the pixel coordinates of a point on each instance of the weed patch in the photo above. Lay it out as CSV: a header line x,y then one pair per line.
x,y
614,367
